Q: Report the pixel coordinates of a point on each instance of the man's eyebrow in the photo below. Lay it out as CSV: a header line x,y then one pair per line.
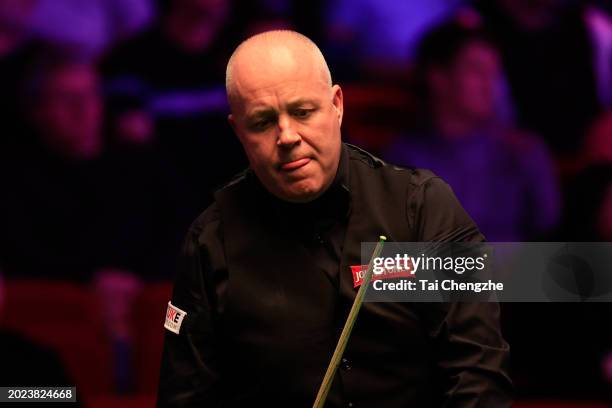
x,y
261,112
268,112
301,102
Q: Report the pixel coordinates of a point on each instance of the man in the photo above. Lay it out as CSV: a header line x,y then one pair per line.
x,y
154,101
551,56
53,175
264,286
461,138
71,211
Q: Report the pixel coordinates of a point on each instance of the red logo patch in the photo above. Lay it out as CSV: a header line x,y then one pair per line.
x,y
360,270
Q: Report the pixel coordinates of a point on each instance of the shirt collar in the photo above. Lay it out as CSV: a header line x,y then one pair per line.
x,y
342,175
335,201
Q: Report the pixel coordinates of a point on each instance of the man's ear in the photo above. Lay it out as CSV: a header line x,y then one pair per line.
x,y
338,102
232,122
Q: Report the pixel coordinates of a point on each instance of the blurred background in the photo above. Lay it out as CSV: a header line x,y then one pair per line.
x,y
113,136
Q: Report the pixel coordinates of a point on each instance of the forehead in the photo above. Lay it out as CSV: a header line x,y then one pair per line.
x,y
260,76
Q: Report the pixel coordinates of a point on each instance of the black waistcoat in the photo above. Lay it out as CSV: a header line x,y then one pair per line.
x,y
283,316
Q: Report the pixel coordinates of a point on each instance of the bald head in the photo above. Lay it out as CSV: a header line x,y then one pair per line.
x,y
273,53
286,113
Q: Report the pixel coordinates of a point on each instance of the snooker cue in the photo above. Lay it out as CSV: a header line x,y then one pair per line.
x,y
346,331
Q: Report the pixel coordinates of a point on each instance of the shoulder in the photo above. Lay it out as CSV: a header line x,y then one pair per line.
x,y
431,207
207,224
203,228
209,216
236,181
361,160
436,213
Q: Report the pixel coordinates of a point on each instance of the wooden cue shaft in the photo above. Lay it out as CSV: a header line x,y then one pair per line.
x,y
346,331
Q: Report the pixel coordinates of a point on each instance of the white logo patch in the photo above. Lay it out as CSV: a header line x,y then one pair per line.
x,y
174,318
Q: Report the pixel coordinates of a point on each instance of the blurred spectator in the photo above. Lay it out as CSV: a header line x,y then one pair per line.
x,y
599,24
53,178
72,208
379,35
170,79
26,363
504,178
79,207
550,60
67,111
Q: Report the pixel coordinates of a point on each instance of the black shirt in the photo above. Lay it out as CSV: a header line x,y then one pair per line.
x,y
266,288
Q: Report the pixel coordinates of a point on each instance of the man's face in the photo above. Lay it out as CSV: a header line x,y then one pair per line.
x,y
288,118
470,84
69,113
476,74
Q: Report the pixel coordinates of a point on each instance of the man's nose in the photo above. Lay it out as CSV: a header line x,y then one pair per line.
x,y
287,134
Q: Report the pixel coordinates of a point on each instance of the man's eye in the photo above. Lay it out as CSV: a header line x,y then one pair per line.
x,y
260,125
302,113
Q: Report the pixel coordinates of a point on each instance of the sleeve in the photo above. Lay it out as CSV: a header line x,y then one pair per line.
x,y
189,371
472,355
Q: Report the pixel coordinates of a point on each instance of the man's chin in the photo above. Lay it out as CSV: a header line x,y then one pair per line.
x,y
301,192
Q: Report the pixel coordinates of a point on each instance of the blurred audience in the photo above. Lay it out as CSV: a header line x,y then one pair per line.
x,y
102,173
599,24
75,203
86,28
80,207
493,169
53,178
379,35
171,79
548,54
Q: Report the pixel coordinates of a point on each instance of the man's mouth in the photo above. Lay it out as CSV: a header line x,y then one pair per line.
x,y
295,164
